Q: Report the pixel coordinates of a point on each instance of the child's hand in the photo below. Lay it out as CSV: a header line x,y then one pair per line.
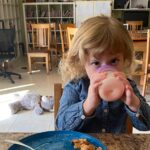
x,y
93,98
129,98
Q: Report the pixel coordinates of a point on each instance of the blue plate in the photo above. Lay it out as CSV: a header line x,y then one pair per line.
x,y
55,140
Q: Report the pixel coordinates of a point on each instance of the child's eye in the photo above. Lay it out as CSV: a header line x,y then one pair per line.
x,y
114,61
96,63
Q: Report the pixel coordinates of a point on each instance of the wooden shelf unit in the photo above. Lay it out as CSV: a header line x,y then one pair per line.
x,y
135,9
47,12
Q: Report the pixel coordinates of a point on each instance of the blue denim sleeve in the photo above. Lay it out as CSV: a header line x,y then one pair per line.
x,y
140,119
70,112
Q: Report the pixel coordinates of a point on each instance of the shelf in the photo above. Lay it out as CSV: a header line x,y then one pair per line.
x,y
132,9
48,12
135,10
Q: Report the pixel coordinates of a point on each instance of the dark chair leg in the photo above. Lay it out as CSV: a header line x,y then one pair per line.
x,y
9,77
13,73
7,74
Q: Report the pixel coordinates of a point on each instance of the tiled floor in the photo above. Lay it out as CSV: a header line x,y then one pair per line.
x,y
40,82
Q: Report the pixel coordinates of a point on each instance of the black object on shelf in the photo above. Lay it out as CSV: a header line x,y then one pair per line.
x,y
119,4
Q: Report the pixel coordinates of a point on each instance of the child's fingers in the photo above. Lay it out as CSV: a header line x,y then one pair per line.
x,y
125,81
102,76
119,74
98,84
98,77
128,95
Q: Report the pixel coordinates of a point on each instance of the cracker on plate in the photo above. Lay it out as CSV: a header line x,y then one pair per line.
x,y
83,144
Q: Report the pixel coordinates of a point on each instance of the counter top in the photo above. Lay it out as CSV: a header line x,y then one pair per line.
x,y
111,141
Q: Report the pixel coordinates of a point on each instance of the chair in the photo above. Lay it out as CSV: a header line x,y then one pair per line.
x,y
133,28
64,37
147,64
40,46
126,26
71,32
139,38
135,25
7,52
57,95
53,41
140,53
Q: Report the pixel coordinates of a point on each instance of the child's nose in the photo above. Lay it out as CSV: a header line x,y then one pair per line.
x,y
103,64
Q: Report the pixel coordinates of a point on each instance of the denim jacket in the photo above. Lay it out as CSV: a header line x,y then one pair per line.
x,y
108,117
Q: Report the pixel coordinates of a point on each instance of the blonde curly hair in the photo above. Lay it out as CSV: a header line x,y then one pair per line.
x,y
96,34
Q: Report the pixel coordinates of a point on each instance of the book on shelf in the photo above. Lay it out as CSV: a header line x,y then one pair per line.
x,y
28,25
67,13
31,13
43,13
29,36
54,13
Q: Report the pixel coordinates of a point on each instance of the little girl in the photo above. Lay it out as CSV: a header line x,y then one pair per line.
x,y
99,41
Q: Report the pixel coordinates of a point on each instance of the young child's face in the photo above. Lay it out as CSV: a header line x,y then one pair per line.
x,y
92,63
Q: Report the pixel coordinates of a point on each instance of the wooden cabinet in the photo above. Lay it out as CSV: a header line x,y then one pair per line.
x,y
10,14
86,9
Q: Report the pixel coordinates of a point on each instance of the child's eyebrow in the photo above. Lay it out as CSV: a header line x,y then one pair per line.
x,y
115,55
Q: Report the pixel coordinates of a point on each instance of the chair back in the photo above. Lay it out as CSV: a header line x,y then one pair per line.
x,y
71,32
7,37
64,37
147,64
40,46
57,95
53,42
135,28
58,90
135,25
126,26
7,53
41,36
